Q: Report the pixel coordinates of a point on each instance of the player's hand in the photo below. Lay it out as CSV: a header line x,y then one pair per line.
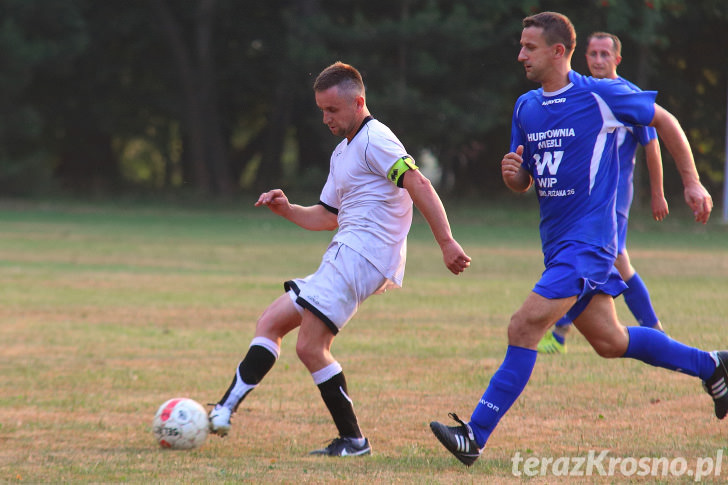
x,y
659,208
514,175
275,200
511,163
455,258
699,200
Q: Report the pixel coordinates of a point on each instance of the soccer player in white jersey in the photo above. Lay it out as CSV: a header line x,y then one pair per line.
x,y
563,142
603,55
368,196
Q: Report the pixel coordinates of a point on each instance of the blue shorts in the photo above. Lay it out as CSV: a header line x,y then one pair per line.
x,y
581,270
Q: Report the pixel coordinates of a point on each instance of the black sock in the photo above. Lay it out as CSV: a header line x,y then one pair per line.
x,y
256,364
336,397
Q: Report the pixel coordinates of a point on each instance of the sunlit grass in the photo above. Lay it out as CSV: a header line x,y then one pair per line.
x,y
107,312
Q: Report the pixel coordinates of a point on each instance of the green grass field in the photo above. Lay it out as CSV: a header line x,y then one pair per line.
x,y
106,312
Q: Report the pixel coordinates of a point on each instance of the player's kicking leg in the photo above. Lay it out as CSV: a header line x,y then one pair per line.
x,y
260,358
278,319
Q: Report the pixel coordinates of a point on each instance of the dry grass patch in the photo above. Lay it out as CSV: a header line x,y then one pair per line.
x,y
106,314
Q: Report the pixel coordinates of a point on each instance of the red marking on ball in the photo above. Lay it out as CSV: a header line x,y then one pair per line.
x,y
168,409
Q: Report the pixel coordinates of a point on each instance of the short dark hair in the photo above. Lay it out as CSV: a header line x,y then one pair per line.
x,y
342,75
606,35
557,28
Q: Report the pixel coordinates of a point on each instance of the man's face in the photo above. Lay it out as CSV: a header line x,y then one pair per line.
x,y
601,58
340,111
535,55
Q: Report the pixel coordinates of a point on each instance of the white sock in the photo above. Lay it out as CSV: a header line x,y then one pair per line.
x,y
323,375
239,391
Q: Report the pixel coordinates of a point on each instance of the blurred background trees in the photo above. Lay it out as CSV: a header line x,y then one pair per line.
x,y
214,97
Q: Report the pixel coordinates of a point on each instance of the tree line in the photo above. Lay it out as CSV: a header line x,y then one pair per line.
x,y
214,96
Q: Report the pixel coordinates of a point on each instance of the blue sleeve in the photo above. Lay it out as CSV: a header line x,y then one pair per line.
x,y
630,107
645,134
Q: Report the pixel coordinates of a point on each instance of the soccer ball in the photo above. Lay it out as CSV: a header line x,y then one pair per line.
x,y
181,424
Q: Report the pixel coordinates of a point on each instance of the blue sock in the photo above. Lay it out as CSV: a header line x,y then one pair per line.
x,y
656,348
563,321
504,388
638,301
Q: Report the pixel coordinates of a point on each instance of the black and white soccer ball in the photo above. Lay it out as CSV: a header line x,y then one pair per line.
x,y
181,424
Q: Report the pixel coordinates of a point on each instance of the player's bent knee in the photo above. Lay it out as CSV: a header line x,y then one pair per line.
x,y
308,352
302,351
609,350
524,333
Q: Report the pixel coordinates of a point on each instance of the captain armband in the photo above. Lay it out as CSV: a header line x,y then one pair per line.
x,y
399,168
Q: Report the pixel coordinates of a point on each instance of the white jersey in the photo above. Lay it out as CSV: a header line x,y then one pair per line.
x,y
374,214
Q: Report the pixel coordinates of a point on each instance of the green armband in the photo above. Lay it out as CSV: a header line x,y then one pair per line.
x,y
399,168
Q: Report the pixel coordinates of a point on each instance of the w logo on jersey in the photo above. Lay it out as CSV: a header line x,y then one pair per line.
x,y
552,160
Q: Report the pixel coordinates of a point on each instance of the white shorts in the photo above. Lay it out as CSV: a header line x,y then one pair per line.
x,y
334,292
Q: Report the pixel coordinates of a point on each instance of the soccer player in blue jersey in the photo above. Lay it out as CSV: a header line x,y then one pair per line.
x,y
603,55
563,141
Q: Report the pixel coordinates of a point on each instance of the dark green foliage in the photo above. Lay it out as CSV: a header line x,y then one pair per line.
x,y
215,95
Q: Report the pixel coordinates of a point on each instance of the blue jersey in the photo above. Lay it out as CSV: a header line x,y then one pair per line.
x,y
627,140
570,150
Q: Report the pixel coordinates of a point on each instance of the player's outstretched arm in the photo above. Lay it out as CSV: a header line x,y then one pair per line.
x,y
653,158
514,175
313,218
429,204
673,136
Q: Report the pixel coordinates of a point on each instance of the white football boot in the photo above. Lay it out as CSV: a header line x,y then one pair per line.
x,y
220,420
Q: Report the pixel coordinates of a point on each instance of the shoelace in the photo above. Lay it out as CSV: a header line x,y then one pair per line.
x,y
456,418
466,429
333,443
